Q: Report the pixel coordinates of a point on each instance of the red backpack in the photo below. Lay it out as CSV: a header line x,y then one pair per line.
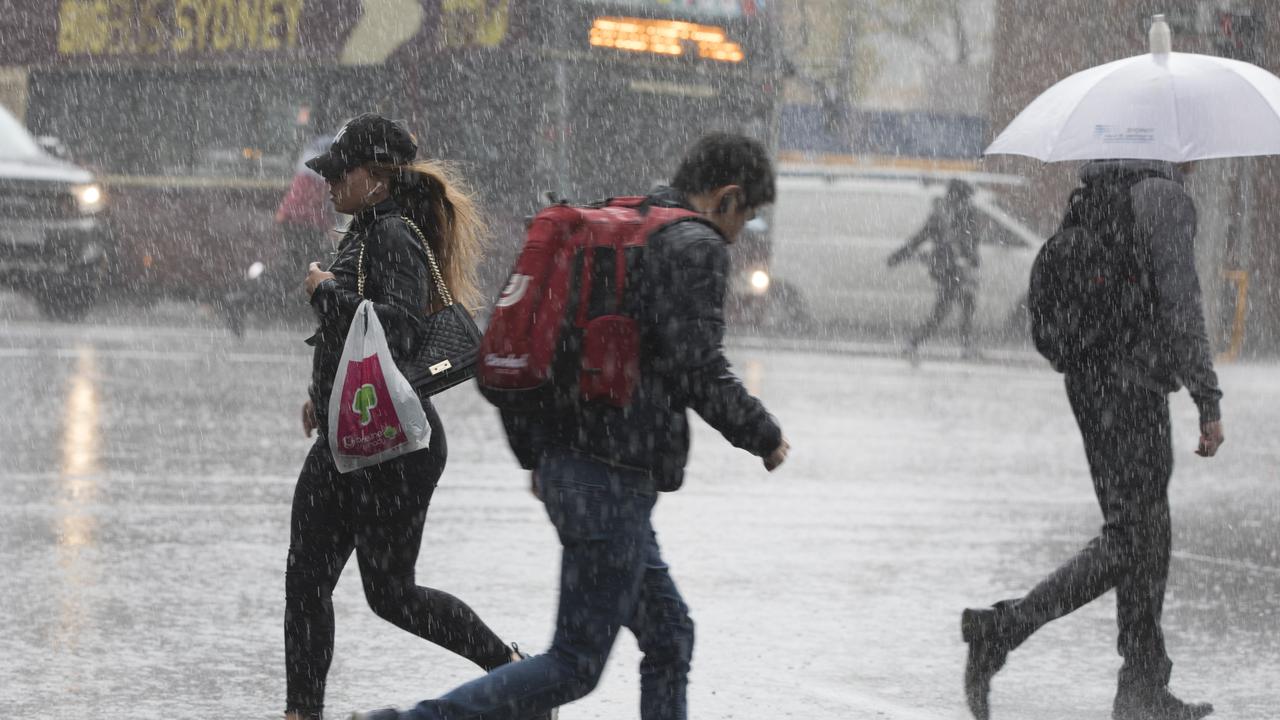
x,y
567,312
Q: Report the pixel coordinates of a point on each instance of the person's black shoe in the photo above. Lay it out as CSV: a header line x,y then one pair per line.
x,y
384,714
987,654
1156,704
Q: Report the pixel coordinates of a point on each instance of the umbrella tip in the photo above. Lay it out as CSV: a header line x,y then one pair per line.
x,y
1159,37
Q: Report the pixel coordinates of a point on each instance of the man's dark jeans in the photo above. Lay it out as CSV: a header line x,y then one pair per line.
x,y
611,576
1126,439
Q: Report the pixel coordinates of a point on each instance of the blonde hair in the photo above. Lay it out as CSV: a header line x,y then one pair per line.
x,y
434,196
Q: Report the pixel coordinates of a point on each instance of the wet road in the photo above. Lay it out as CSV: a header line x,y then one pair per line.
x,y
146,468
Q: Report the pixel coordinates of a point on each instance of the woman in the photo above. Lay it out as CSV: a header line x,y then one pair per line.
x,y
378,512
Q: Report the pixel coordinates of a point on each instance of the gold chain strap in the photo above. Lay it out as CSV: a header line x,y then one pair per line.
x,y
431,260
360,270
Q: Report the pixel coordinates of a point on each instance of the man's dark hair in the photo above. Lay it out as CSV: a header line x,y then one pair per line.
x,y
721,159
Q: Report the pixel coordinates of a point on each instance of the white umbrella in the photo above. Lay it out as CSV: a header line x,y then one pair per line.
x,y
1160,106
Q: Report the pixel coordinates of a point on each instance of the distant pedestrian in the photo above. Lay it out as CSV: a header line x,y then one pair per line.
x,y
304,219
377,512
952,233
305,216
598,467
1119,312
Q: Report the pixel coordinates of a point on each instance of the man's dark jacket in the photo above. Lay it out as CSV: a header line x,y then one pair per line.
x,y
1174,350
397,280
682,282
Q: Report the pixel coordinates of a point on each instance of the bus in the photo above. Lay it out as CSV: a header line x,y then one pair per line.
x,y
193,113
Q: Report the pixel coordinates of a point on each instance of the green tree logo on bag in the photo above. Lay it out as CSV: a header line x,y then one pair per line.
x,y
375,415
365,399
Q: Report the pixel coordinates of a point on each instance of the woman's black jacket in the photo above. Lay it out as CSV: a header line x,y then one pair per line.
x,y
397,280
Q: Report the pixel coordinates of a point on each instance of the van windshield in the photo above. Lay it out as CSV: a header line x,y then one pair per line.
x,y
15,142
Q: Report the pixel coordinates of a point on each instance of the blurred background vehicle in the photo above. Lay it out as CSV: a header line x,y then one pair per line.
x,y
306,231
750,290
53,245
196,125
832,232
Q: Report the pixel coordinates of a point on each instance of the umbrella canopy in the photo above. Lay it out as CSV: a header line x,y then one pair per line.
x,y
1159,106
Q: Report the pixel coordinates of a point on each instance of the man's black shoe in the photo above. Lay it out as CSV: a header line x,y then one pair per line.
x,y
987,653
1156,704
384,714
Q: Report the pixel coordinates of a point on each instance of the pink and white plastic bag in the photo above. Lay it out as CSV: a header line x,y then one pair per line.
x,y
374,413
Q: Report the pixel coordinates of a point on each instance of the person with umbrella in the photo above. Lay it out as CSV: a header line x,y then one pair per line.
x,y
1118,381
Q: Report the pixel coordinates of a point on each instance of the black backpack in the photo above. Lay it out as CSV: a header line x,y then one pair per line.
x,y
1090,294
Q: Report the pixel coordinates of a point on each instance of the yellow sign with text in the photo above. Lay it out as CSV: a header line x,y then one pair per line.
x,y
474,23
155,27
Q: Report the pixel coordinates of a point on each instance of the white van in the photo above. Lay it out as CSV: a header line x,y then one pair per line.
x,y
53,245
833,234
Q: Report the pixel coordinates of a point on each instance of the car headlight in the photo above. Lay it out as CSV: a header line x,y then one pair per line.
x,y
89,198
760,281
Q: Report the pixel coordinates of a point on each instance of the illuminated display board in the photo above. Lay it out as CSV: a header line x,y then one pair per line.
x,y
665,37
686,8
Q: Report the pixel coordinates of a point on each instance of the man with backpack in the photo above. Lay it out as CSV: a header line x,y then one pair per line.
x,y
1115,306
641,292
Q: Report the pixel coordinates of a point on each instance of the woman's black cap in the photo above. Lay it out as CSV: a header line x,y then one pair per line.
x,y
367,138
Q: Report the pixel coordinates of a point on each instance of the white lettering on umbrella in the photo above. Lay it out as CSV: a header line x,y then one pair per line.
x,y
1112,134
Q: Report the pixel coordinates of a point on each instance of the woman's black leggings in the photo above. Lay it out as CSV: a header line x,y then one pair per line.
x,y
379,513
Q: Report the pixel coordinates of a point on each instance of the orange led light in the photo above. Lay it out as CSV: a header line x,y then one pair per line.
x,y
664,37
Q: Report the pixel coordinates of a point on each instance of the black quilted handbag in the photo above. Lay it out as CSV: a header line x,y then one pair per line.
x,y
446,354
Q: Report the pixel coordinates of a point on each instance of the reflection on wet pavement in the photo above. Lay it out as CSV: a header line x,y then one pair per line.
x,y
144,523
81,448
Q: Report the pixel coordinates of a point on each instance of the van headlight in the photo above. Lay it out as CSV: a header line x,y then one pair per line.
x,y
89,198
759,282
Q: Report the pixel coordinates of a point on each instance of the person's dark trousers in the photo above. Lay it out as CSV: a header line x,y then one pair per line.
x,y
379,513
1126,438
611,576
949,295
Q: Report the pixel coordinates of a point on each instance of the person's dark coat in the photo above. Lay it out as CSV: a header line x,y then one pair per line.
x,y
682,366
397,281
953,234
1174,350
